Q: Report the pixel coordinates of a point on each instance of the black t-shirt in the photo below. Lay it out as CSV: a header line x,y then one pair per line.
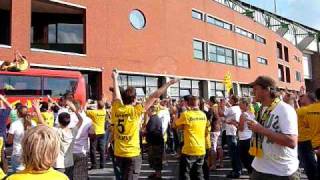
x,y
154,130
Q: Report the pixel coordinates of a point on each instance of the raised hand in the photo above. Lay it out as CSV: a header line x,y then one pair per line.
x,y
71,106
115,74
36,104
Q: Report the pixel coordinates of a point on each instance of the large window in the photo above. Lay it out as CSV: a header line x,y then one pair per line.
x,y
217,89
57,27
220,54
144,85
244,33
185,87
243,60
198,49
57,87
197,15
219,23
5,22
20,85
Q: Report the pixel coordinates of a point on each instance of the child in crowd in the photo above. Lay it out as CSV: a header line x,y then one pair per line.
x,y
67,136
40,147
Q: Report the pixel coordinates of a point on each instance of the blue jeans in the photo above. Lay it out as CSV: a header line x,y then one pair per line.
x,y
100,142
233,147
307,158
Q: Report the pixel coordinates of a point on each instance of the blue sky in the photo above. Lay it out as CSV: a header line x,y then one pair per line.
x,y
306,12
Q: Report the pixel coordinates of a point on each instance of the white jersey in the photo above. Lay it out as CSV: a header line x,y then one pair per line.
x,y
277,159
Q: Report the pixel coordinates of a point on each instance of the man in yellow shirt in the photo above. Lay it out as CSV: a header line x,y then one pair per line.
x,y
195,129
98,118
126,120
312,121
305,151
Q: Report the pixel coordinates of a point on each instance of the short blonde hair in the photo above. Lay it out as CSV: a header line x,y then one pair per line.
x,y
40,146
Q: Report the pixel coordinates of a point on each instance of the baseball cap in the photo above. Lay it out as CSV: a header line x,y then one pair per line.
x,y
264,81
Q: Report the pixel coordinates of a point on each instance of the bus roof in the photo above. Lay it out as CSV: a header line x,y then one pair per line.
x,y
45,72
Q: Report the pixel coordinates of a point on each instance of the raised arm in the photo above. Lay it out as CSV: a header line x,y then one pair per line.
x,y
36,107
50,100
4,100
153,97
76,111
116,95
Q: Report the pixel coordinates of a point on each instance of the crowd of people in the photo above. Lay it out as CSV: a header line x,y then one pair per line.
x,y
270,135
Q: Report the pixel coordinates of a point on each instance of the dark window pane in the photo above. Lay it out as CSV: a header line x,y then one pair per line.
x,y
52,33
5,22
70,33
57,87
20,85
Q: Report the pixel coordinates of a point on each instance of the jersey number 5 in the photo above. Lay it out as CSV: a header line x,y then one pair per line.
x,y
121,126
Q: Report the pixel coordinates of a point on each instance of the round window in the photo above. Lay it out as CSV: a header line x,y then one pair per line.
x,y
137,19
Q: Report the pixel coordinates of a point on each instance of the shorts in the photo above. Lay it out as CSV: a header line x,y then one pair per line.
x,y
214,136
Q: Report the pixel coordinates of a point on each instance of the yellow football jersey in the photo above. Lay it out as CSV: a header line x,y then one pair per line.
x,y
98,120
50,174
48,118
312,118
126,121
195,129
303,129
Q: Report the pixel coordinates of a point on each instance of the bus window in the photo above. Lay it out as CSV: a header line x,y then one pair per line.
x,y
20,85
57,87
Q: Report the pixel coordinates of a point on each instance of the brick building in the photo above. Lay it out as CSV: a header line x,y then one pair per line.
x,y
149,41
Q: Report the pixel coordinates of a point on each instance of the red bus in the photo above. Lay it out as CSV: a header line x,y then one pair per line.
x,y
38,83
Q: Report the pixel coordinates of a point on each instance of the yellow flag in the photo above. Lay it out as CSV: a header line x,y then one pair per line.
x,y
228,81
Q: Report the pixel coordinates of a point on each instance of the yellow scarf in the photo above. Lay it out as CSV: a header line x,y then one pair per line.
x,y
256,140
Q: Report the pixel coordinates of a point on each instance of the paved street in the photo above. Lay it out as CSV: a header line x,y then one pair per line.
x,y
170,171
